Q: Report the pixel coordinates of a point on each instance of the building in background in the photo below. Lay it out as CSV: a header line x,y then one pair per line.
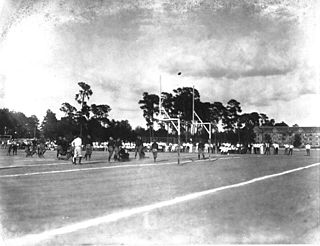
x,y
285,135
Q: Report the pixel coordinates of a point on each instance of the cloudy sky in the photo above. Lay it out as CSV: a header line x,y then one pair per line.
x,y
263,53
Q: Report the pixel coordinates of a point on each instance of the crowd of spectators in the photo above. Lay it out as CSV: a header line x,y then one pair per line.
x,y
223,148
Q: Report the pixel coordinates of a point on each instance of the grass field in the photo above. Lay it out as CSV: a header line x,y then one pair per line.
x,y
228,199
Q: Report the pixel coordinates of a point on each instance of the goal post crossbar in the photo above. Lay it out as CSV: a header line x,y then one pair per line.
x,y
206,125
164,116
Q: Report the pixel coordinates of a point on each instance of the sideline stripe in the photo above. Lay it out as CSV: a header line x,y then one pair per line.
x,y
36,165
108,167
51,164
36,238
88,169
60,162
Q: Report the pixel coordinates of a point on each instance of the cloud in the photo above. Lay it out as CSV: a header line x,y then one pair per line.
x,y
235,72
249,44
253,51
260,92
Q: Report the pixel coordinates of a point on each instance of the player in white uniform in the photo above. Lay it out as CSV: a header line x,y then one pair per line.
x,y
77,145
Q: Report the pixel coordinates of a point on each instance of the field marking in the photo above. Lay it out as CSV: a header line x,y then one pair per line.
x,y
88,169
67,162
60,162
108,167
36,165
36,238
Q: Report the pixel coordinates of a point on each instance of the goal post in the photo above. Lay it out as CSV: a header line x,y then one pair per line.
x,y
175,122
165,117
208,127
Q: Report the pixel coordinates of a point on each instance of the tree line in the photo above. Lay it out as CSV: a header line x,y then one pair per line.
x,y
82,118
238,127
92,119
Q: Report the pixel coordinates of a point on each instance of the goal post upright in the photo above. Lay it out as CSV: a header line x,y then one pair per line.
x,y
206,125
160,98
164,116
193,104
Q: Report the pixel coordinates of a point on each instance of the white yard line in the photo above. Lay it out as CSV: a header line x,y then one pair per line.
x,y
36,238
36,165
88,169
60,162
100,168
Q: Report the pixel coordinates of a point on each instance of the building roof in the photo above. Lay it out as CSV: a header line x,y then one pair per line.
x,y
287,129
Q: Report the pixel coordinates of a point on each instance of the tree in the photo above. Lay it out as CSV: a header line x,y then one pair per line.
x,y
140,131
101,112
69,110
281,124
247,122
150,106
84,94
271,122
66,127
168,103
203,110
264,120
89,118
17,124
231,120
49,125
217,111
238,127
161,132
24,126
6,122
121,129
96,130
20,123
267,138
33,122
297,141
68,124
182,102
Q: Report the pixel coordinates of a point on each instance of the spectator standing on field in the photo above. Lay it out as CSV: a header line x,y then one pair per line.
x,y
77,145
290,149
41,146
111,145
201,149
88,148
64,144
154,148
308,147
59,146
117,146
255,148
276,148
262,147
14,147
139,147
286,147
34,145
267,151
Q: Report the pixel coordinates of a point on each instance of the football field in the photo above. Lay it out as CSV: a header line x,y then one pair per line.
x,y
227,199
